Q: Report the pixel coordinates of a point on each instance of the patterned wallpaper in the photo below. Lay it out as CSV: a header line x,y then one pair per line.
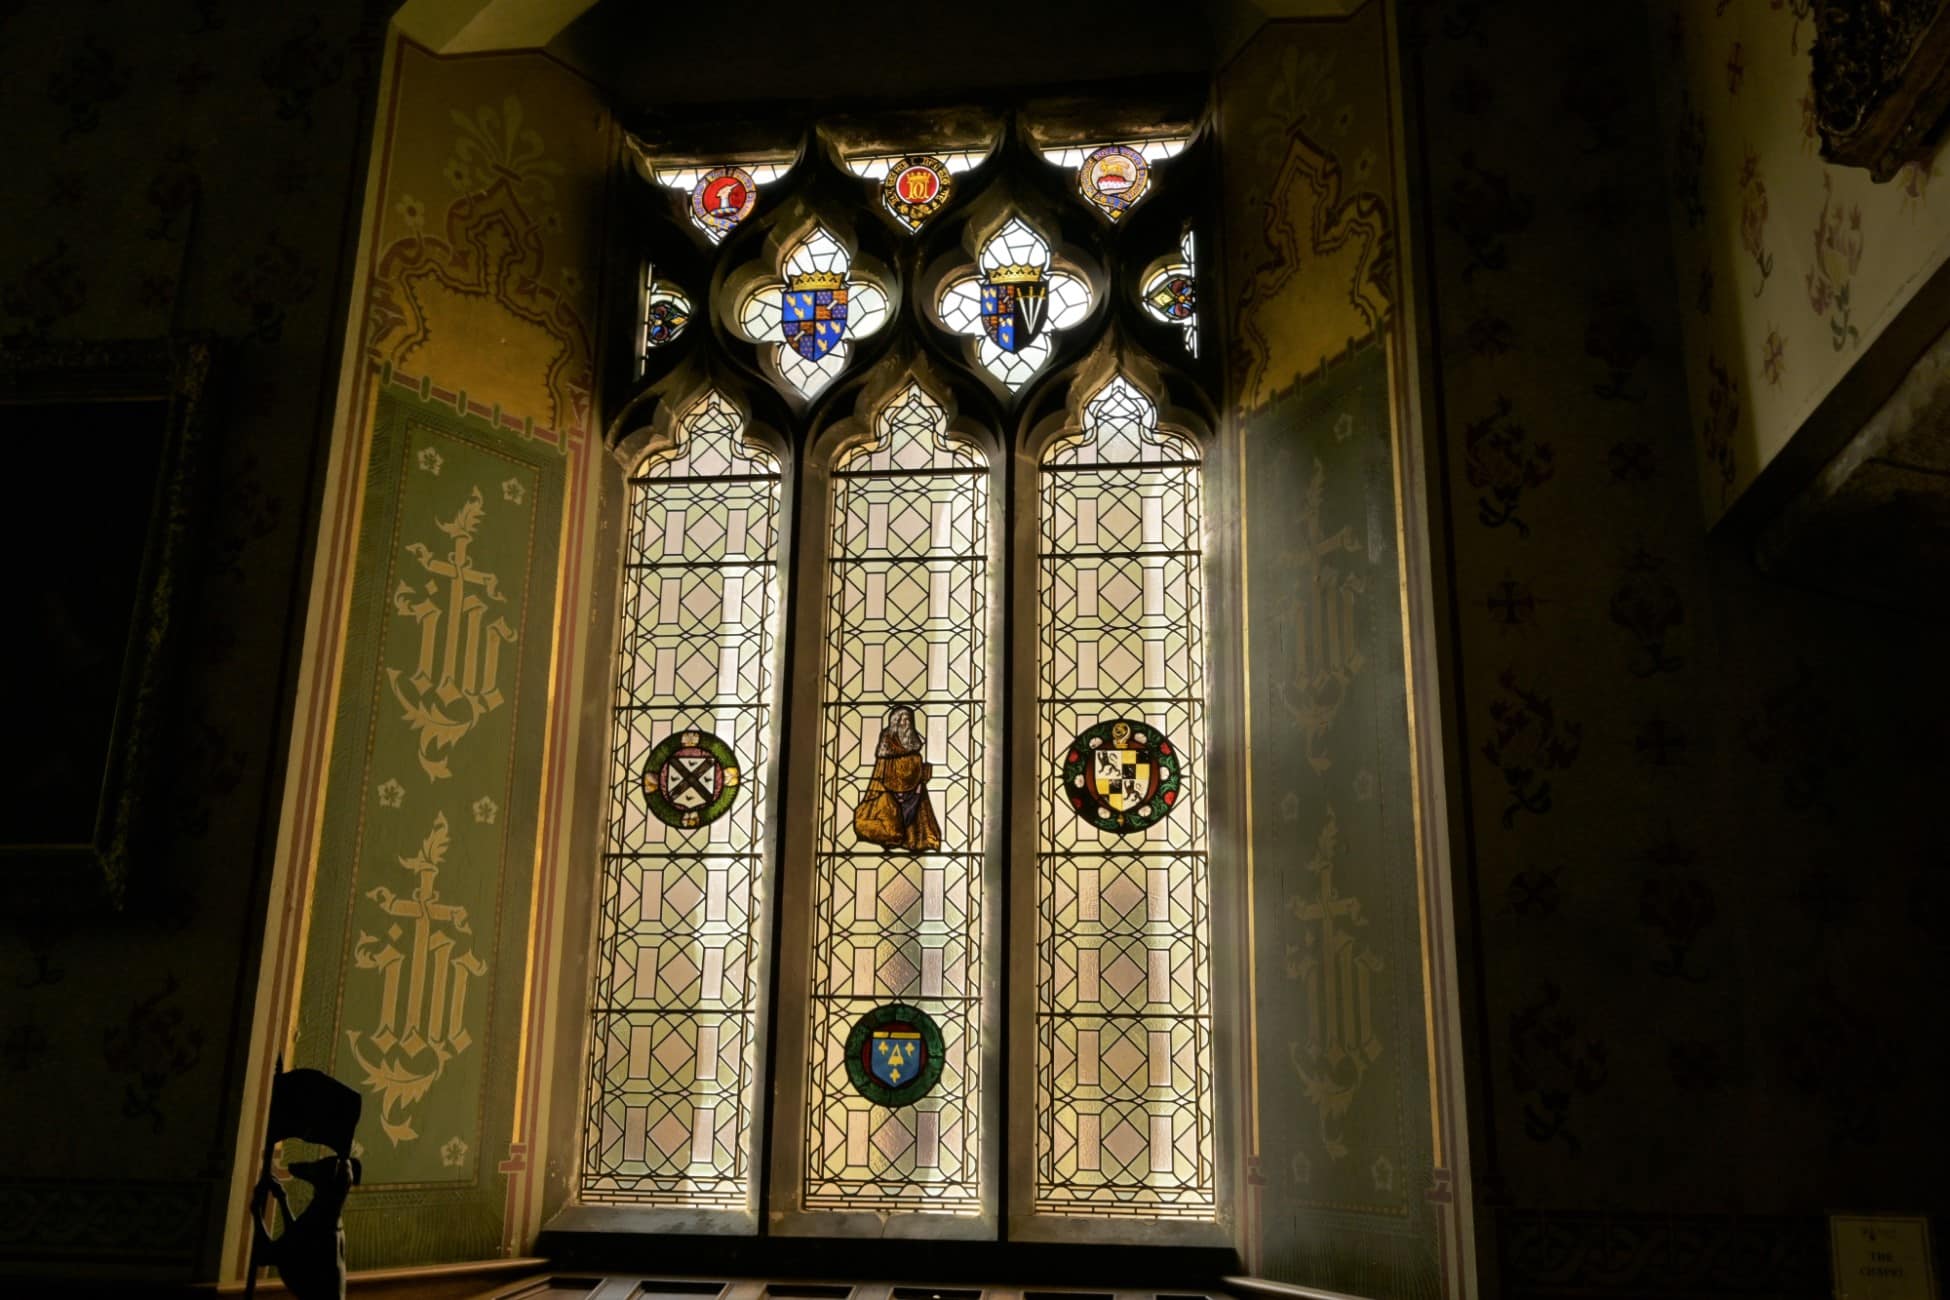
x,y
186,166
1787,267
1698,831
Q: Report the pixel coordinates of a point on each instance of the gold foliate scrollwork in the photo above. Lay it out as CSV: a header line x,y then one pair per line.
x,y
1337,976
422,1020
459,660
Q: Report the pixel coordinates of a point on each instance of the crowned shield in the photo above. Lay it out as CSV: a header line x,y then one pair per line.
x,y
814,317
1014,310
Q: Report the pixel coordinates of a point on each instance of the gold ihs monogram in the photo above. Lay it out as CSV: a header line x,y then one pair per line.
x,y
460,650
1337,978
422,1021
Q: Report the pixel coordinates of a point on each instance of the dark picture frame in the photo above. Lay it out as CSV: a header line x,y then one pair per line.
x,y
124,423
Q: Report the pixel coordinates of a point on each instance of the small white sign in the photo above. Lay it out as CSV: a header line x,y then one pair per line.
x,y
1881,1257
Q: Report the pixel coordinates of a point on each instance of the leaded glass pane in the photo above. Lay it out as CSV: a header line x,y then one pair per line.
x,y
1113,177
675,1038
666,312
1171,294
717,198
812,316
1124,1121
899,858
1014,303
914,186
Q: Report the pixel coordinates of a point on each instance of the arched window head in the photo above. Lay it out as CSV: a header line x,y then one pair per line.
x,y
1123,1100
812,316
901,854
676,1045
911,432
1014,303
1120,427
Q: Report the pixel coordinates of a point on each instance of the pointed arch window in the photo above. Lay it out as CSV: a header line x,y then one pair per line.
x,y
672,1092
1123,1099
902,863
920,1060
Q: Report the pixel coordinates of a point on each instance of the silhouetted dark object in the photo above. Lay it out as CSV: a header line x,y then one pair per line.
x,y
309,1252
312,1106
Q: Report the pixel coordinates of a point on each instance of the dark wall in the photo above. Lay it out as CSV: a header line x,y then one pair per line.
x,y
173,167
1701,826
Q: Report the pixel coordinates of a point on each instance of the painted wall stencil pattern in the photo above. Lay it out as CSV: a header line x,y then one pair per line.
x,y
1345,1189
419,931
1653,739
1801,256
150,173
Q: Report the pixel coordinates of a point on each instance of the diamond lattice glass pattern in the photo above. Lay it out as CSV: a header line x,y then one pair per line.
x,y
906,625
1014,250
674,1041
823,308
1123,999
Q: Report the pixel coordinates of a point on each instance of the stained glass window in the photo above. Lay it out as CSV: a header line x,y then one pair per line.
x,y
811,317
717,198
1112,177
1013,303
674,1045
914,186
666,311
876,1063
900,858
1171,294
1123,1028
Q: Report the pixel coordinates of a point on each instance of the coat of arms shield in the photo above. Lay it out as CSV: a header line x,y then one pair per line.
x,y
814,315
1122,776
1014,306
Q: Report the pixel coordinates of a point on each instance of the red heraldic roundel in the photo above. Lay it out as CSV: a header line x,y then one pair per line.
x,y
723,197
915,188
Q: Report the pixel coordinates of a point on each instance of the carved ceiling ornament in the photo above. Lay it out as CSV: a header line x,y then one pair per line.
x,y
1881,80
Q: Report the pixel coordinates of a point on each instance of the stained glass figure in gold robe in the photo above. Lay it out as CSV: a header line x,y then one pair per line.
x,y
895,812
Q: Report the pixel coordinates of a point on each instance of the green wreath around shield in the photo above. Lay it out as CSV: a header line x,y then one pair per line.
x,y
673,814
1121,732
901,1016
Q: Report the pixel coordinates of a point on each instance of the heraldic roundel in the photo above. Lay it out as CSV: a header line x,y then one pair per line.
x,y
894,1055
690,779
1121,776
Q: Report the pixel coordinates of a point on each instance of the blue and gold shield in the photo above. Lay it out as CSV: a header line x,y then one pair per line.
x,y
895,1056
814,315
